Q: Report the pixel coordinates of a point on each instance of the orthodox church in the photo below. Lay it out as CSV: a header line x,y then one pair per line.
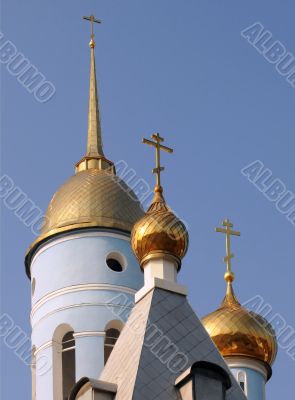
x,y
109,320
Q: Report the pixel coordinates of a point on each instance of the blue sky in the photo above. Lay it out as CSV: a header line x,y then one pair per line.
x,y
183,69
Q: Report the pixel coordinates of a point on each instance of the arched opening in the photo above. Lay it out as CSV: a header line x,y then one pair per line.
x,y
64,361
112,333
68,363
33,369
242,381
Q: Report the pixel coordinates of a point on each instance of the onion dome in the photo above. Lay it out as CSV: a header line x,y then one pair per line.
x,y
94,196
159,232
236,331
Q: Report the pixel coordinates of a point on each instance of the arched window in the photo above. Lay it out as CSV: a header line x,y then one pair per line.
x,y
112,332
63,359
68,363
111,338
242,380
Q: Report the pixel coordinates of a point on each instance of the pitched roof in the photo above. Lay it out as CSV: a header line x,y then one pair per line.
x,y
142,364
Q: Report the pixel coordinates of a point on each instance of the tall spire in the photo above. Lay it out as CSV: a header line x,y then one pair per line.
x,y
94,157
94,142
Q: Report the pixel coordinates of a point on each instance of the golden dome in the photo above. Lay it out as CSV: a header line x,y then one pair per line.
x,y
96,198
159,231
91,198
239,332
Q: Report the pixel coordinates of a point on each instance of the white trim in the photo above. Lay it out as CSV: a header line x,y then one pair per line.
x,y
89,333
80,305
120,257
243,362
79,288
43,346
161,284
72,236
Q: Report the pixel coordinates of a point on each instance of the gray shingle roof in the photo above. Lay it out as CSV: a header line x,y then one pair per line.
x,y
140,364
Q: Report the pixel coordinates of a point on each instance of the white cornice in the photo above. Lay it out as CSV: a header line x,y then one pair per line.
x,y
161,284
243,362
89,334
79,288
80,305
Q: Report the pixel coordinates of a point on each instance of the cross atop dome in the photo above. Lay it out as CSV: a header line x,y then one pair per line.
x,y
229,275
158,146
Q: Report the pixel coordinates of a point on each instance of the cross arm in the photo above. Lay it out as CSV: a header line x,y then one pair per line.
x,y
92,19
222,230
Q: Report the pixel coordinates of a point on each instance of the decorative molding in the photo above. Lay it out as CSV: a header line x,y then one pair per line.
x,y
89,333
44,346
243,362
79,288
75,236
80,305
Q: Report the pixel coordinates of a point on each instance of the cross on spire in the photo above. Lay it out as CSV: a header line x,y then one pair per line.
x,y
158,146
229,275
92,19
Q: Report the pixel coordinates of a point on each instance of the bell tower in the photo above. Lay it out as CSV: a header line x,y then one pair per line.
x,y
81,265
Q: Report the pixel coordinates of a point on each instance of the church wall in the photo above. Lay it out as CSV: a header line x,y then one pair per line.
x,y
80,258
88,361
44,374
73,285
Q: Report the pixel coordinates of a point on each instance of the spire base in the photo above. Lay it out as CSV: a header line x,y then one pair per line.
x,y
96,162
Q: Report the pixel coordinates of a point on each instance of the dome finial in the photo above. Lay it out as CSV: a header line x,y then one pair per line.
x,y
94,157
229,275
158,146
92,19
160,233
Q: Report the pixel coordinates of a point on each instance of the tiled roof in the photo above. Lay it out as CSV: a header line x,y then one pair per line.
x,y
140,366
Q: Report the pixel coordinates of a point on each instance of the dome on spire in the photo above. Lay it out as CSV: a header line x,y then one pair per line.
x,y
94,196
159,232
237,331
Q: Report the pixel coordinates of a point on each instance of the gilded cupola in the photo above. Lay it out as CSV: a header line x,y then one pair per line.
x,y
236,331
95,197
159,231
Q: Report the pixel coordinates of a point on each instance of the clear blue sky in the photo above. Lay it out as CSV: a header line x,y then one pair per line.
x,y
183,69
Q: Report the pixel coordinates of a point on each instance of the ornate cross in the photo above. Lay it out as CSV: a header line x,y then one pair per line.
x,y
157,144
228,233
92,19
